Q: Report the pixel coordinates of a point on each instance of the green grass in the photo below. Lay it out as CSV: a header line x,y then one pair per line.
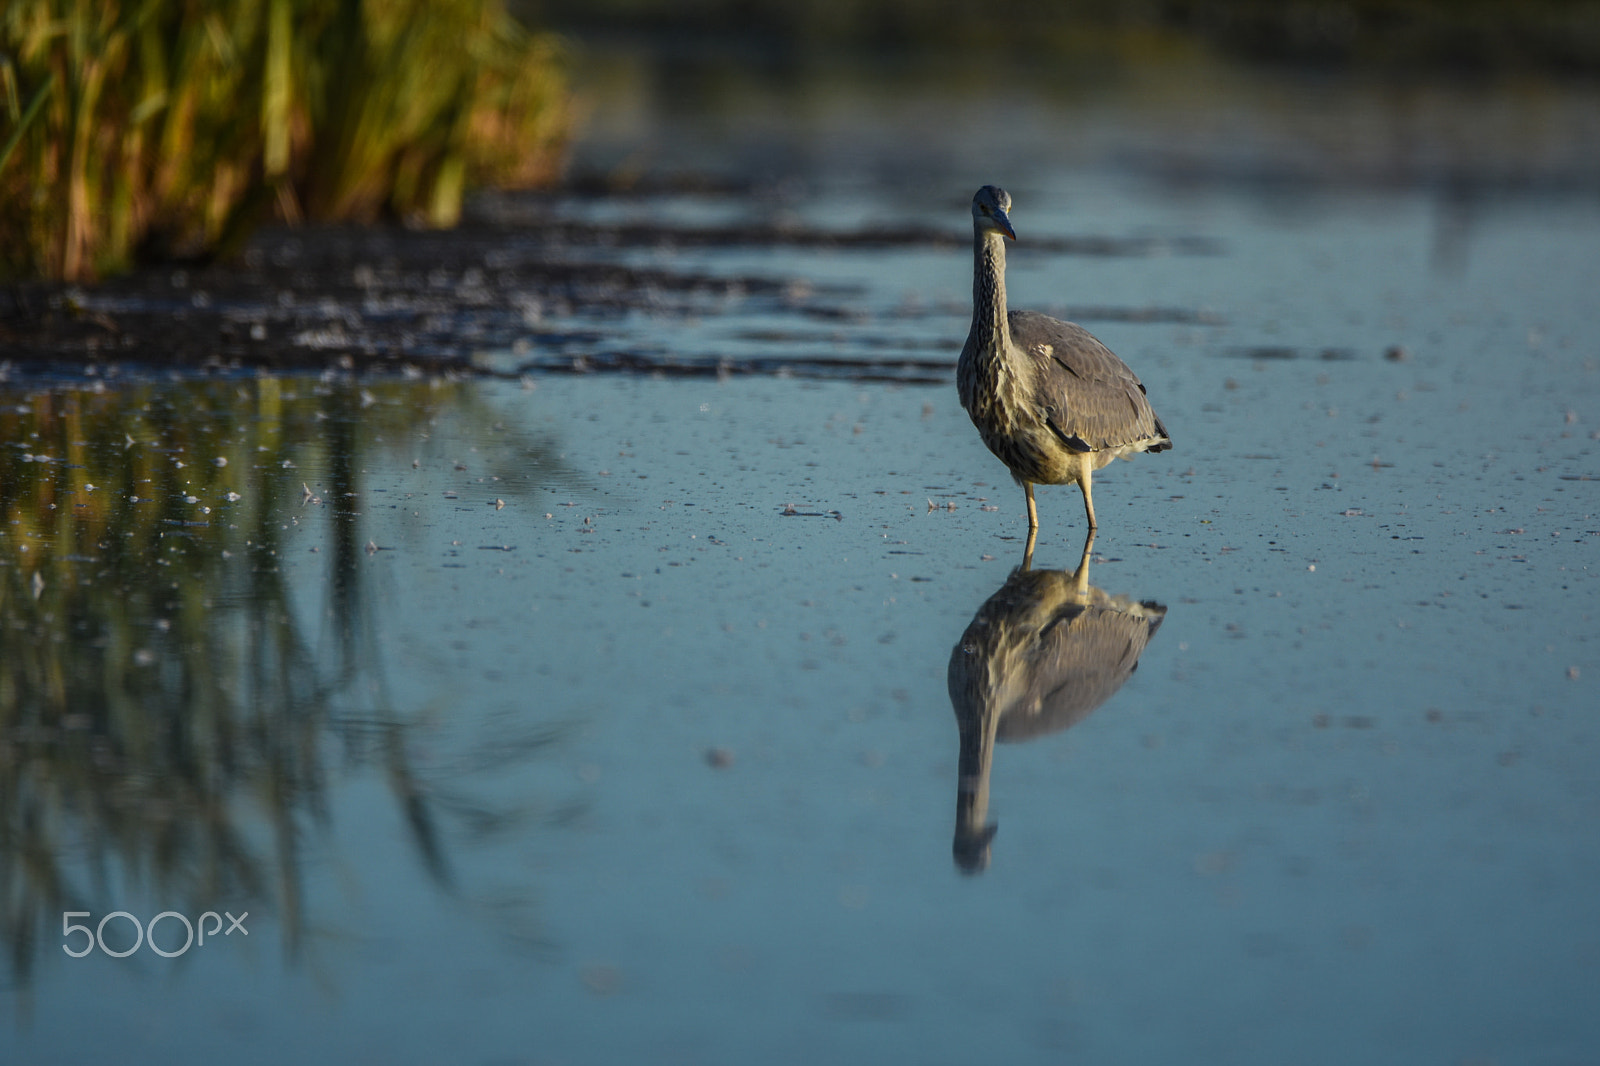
x,y
171,127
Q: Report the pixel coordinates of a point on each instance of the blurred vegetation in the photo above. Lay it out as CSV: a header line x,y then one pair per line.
x,y
171,706
1478,35
172,126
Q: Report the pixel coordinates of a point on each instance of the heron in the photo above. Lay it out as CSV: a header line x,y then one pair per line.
x,y
1050,401
1040,656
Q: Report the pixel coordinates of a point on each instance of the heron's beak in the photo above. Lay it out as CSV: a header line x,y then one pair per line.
x,y
1004,224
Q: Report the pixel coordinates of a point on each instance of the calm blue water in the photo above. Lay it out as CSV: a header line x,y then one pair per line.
x,y
530,725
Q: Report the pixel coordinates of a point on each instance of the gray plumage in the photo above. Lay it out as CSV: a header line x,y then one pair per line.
x,y
1050,401
1039,656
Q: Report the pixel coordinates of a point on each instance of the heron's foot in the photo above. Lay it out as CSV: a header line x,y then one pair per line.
x,y
1027,552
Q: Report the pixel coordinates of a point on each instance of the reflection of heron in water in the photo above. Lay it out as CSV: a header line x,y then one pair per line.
x,y
1041,654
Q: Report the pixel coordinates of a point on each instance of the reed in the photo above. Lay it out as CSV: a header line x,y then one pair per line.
x,y
178,707
172,127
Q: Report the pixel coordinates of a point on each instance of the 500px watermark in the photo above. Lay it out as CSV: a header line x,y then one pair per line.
x,y
97,937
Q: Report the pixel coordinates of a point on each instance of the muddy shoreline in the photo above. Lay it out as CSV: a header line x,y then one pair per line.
x,y
520,276
370,298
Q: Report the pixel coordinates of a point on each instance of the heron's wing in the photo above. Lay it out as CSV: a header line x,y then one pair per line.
x,y
1089,396
1077,663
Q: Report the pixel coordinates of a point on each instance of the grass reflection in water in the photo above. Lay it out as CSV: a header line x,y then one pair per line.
x,y
168,712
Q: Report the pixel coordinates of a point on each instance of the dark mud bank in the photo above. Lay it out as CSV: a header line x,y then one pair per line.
x,y
521,278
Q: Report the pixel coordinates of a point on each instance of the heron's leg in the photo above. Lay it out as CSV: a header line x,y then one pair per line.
x,y
1027,552
1033,512
1080,579
1088,500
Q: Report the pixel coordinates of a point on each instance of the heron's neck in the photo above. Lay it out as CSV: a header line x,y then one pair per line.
x,y
976,758
989,325
972,787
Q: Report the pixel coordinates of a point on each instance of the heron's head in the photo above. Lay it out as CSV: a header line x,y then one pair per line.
x,y
989,209
971,848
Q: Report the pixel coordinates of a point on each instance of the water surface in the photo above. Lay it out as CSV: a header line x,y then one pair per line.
x,y
556,717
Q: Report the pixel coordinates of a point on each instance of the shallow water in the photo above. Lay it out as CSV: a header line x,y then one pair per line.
x,y
606,718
